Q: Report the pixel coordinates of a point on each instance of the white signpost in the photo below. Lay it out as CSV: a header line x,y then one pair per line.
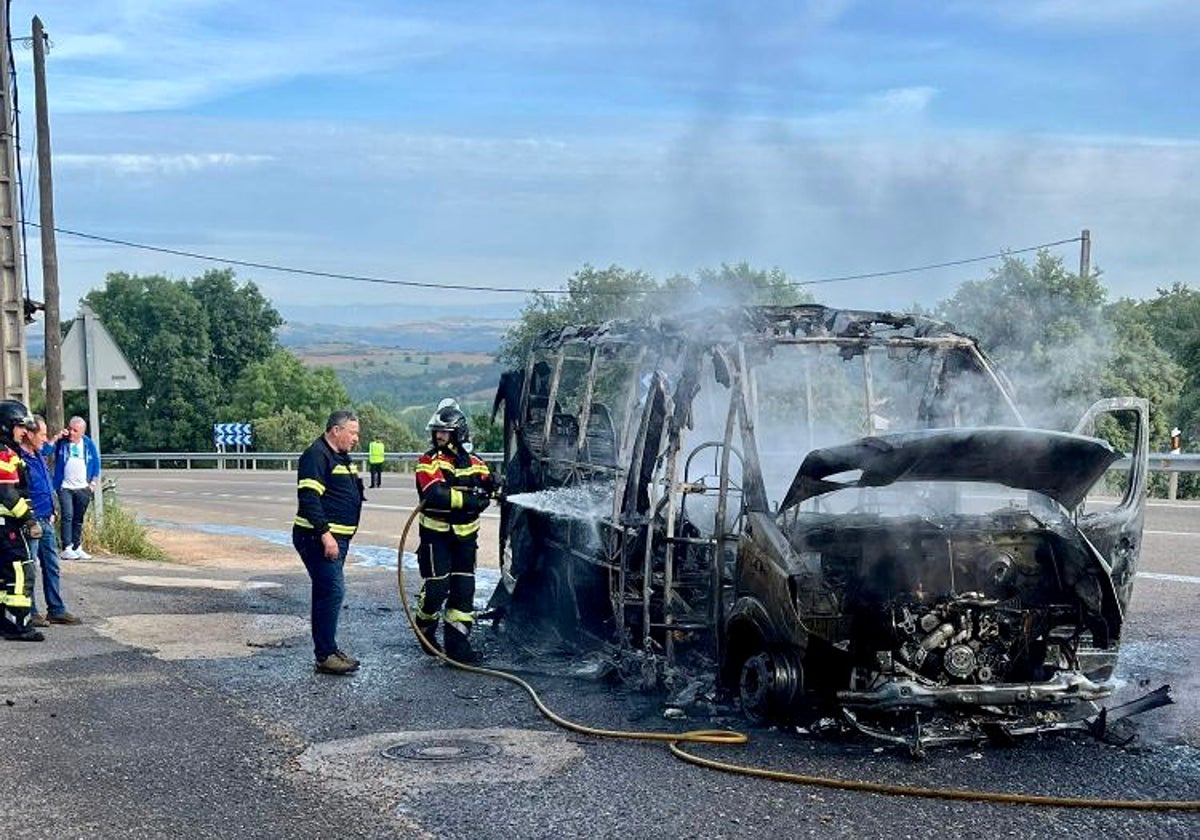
x,y
92,361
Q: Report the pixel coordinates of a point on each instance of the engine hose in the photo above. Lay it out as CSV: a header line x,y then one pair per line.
x,y
675,740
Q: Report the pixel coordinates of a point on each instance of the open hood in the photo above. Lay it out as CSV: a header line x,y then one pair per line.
x,y
1059,465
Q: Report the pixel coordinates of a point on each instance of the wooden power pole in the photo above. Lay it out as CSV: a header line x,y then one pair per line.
x,y
53,324
14,375
1085,254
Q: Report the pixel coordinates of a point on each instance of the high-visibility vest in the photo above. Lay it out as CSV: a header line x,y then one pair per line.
x,y
375,452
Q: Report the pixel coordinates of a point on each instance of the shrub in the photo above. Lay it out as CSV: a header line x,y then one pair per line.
x,y
122,534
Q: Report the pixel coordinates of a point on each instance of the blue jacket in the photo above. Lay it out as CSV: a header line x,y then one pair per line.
x,y
91,459
39,489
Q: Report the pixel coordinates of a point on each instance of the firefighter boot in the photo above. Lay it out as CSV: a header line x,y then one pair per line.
x,y
458,643
428,629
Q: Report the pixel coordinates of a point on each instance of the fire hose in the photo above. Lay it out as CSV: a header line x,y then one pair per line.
x,y
675,741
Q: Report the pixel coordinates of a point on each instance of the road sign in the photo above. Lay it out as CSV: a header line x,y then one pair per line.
x,y
111,370
92,361
233,434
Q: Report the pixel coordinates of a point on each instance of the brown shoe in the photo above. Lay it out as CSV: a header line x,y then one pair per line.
x,y
38,621
62,618
335,664
352,660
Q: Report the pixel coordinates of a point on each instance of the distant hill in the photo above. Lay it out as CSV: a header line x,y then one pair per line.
x,y
397,313
446,336
401,379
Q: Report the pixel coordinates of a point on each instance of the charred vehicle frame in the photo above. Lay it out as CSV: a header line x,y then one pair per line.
x,y
829,513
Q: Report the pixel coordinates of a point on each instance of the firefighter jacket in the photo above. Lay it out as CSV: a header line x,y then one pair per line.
x,y
15,510
329,491
455,487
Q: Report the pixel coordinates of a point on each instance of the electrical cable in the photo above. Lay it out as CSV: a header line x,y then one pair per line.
x,y
362,278
675,740
16,134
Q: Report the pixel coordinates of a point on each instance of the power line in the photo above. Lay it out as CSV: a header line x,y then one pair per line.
x,y
361,278
932,266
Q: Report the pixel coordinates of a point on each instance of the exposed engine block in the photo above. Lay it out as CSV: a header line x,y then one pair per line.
x,y
964,639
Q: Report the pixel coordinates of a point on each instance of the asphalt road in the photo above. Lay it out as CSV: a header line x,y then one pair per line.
x,y
187,705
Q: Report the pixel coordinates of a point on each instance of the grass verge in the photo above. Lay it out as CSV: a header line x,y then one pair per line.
x,y
122,534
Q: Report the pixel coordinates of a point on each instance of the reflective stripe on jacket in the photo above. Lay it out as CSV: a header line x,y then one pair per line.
x,y
13,488
444,477
329,492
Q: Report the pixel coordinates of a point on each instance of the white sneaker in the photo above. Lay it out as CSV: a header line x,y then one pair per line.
x,y
80,554
68,553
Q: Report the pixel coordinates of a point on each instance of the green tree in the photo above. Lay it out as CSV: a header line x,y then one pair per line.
x,y
280,381
161,328
1140,366
1174,320
1045,327
393,431
286,430
595,295
486,435
741,284
188,340
241,323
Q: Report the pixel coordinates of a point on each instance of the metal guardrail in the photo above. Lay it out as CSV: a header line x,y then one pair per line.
x,y
1171,464
1159,462
247,460
1183,462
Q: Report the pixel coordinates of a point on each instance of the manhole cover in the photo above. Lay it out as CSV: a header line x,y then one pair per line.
x,y
440,750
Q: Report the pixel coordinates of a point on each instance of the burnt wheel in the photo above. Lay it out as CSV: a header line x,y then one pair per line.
x,y
770,684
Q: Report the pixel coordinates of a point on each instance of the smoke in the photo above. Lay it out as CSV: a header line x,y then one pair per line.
x,y
1057,378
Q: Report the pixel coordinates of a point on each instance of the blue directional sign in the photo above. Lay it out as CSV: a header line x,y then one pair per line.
x,y
233,434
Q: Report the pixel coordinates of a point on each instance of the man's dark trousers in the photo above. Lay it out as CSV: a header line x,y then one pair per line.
x,y
74,504
328,587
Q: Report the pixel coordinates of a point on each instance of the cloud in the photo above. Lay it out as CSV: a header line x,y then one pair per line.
x,y
157,164
169,55
528,211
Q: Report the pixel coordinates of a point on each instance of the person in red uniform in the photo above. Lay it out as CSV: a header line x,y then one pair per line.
x,y
455,487
16,520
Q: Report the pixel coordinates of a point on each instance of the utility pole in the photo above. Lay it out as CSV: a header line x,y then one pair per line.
x,y
14,375
53,324
1085,254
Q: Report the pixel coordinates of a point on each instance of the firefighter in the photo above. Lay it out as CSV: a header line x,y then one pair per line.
x,y
329,496
16,521
455,487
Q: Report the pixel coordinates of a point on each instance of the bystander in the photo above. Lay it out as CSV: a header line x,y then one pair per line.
x,y
43,549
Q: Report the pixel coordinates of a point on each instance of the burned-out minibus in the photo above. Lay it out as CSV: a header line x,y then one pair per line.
x,y
824,513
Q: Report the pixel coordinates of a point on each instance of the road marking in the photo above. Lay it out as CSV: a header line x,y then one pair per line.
x,y
1173,533
1169,578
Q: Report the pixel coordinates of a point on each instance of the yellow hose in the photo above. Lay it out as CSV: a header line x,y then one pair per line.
x,y
674,740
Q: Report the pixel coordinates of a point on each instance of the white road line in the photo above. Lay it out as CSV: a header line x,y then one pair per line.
x,y
1173,533
1169,578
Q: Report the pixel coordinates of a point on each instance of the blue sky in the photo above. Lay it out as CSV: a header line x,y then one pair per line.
x,y
507,144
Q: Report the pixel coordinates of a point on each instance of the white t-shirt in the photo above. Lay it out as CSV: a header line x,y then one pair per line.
x,y
75,468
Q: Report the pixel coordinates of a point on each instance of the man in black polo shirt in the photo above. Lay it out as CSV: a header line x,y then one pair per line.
x,y
330,496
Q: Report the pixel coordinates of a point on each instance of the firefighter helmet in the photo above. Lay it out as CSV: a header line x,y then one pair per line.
x,y
12,414
450,418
